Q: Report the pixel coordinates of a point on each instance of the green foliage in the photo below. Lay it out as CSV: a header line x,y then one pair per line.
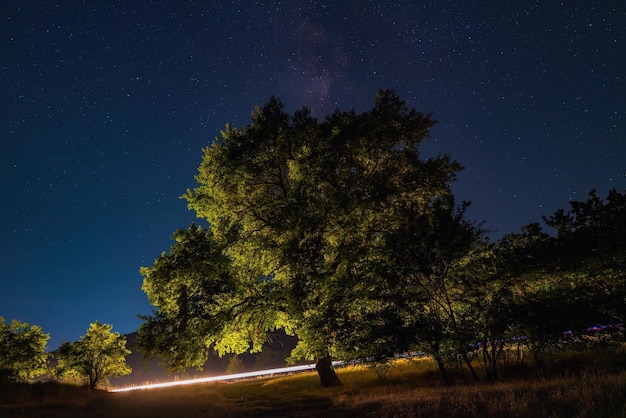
x,y
430,249
202,303
531,284
235,365
568,281
98,355
22,351
305,220
315,208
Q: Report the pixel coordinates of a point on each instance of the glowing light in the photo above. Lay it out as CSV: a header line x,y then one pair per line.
x,y
234,376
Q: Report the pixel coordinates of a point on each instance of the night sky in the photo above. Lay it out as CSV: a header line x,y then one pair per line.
x,y
106,105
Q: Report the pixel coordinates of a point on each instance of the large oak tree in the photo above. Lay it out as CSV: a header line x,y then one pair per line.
x,y
305,217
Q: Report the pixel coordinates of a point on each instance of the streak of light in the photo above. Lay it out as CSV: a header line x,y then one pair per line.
x,y
234,376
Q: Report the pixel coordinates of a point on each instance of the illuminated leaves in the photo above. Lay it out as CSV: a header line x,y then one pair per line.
x,y
22,350
314,205
310,217
98,355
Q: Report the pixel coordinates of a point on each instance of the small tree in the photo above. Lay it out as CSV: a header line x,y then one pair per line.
x,y
235,365
98,355
22,347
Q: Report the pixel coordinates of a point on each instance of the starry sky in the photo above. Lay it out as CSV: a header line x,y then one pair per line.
x,y
105,107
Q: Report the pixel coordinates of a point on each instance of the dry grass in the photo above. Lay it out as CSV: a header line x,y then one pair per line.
x,y
410,390
584,396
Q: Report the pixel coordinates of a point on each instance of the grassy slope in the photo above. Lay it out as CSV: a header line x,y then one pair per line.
x,y
410,390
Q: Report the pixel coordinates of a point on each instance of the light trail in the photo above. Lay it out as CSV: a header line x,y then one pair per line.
x,y
234,376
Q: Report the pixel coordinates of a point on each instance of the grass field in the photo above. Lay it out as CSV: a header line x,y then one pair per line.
x,y
409,389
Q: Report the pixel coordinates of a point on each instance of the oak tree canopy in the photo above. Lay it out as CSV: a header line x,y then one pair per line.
x,y
305,220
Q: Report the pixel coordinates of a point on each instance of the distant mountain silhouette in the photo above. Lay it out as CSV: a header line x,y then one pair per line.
x,y
145,371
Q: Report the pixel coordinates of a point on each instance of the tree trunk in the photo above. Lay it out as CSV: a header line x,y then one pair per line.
x,y
443,373
468,363
328,377
491,364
